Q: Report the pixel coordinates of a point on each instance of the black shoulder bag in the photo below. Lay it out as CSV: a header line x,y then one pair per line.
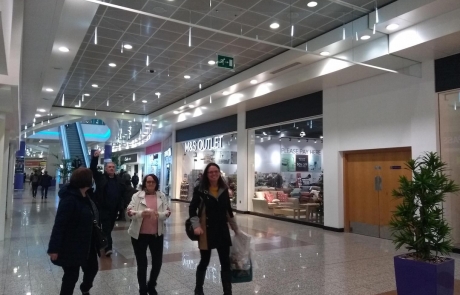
x,y
99,236
188,223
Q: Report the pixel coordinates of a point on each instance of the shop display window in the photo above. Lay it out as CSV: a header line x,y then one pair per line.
x,y
288,165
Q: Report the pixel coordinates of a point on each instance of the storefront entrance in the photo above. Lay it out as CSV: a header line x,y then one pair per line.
x,y
369,179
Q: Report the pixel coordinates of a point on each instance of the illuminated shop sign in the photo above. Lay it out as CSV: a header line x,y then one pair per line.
x,y
128,159
168,153
210,143
300,151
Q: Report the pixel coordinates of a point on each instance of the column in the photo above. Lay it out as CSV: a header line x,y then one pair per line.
x,y
107,153
175,159
3,177
242,160
11,177
19,176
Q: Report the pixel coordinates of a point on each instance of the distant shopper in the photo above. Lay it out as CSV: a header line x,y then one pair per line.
x,y
72,243
109,196
129,192
35,181
148,210
25,177
210,222
198,180
76,163
45,183
135,180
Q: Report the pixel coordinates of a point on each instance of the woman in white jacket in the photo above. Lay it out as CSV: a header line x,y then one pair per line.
x,y
148,210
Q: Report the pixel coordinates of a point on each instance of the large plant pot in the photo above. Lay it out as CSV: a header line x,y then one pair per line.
x,y
422,278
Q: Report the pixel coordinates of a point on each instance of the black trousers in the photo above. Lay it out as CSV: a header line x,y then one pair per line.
x,y
108,218
34,189
44,191
71,274
224,258
155,244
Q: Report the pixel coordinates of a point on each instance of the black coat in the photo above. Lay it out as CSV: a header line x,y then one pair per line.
x,y
71,237
135,180
100,196
45,180
217,211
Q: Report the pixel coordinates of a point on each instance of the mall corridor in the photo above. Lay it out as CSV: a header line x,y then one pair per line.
x,y
288,258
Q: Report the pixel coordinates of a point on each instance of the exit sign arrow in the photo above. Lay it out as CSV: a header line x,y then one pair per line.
x,y
225,62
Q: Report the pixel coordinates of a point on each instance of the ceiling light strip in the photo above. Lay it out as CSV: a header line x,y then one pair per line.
x,y
237,35
95,36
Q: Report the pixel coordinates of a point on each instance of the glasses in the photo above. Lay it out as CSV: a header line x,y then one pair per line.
x,y
150,182
213,172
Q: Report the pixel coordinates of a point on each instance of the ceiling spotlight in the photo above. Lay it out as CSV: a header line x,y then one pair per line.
x,y
41,110
95,85
187,77
144,101
211,62
392,27
112,65
225,93
253,81
127,46
325,53
63,49
275,26
157,93
191,106
49,90
312,4
365,37
38,115
176,112
127,111
86,94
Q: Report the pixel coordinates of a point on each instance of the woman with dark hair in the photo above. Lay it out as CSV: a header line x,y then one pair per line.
x,y
73,243
210,213
148,210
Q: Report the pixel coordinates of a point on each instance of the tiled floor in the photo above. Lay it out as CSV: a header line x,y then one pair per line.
x,y
288,258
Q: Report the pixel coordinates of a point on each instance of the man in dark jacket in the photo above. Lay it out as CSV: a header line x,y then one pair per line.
x,y
45,183
135,180
35,181
109,197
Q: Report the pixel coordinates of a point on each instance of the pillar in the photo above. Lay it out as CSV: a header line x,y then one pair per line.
x,y
3,177
242,161
19,174
175,161
11,177
107,153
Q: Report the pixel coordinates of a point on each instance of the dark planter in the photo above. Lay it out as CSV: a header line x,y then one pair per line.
x,y
422,278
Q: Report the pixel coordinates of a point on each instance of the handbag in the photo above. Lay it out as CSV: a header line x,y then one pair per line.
x,y
98,234
188,225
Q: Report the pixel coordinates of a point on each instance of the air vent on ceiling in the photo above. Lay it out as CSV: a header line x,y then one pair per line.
x,y
285,68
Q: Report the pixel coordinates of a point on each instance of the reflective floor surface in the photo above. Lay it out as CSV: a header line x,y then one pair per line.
x,y
288,258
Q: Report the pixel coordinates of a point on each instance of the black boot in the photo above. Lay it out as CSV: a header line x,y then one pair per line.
x,y
226,277
200,276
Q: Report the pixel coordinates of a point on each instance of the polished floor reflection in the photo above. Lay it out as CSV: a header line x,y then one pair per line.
x,y
288,258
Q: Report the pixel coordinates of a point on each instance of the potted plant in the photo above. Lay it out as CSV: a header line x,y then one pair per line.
x,y
418,224
64,169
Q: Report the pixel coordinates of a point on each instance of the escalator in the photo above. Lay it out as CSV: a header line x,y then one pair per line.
x,y
73,143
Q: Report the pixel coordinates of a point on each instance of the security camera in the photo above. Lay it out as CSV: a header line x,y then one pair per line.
x,y
151,71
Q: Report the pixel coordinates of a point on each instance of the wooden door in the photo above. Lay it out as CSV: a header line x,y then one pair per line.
x,y
370,178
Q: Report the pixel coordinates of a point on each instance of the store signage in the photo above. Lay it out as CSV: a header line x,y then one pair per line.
x,y
210,143
168,153
300,151
19,166
225,62
132,158
301,163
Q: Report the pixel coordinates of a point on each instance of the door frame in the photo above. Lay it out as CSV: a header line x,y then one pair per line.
x,y
346,197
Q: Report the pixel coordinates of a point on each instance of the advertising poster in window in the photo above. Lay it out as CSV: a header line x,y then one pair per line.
x,y
301,163
288,163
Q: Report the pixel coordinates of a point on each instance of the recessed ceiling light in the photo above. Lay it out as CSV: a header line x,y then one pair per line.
x,y
325,53
312,4
254,81
144,101
191,106
392,27
49,90
86,94
187,77
225,93
128,46
112,65
176,112
155,120
63,49
38,115
95,85
77,106
365,37
211,62
41,110
157,93
127,111
275,25
129,121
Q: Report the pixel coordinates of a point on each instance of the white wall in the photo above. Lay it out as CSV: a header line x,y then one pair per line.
x,y
386,111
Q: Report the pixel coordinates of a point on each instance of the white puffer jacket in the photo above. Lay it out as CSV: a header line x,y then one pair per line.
x,y
138,205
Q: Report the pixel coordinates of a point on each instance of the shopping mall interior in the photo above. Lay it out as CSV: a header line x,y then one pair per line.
x,y
311,109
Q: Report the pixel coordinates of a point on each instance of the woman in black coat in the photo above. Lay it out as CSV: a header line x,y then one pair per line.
x,y
210,213
73,244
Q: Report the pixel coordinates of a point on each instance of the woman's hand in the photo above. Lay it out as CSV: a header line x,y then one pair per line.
x,y
131,213
146,213
198,231
53,256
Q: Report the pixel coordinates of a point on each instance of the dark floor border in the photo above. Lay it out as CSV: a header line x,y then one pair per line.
x,y
337,230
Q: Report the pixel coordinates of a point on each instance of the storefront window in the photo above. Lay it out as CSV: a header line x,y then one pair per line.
x,y
288,165
219,149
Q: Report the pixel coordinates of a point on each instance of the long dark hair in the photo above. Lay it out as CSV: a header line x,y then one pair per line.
x,y
205,184
155,178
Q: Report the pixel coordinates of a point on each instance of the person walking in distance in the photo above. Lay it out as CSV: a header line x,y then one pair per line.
x,y
72,243
109,197
210,213
35,181
148,210
45,183
135,180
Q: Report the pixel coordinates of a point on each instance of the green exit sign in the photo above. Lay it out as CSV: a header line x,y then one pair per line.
x,y
225,62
